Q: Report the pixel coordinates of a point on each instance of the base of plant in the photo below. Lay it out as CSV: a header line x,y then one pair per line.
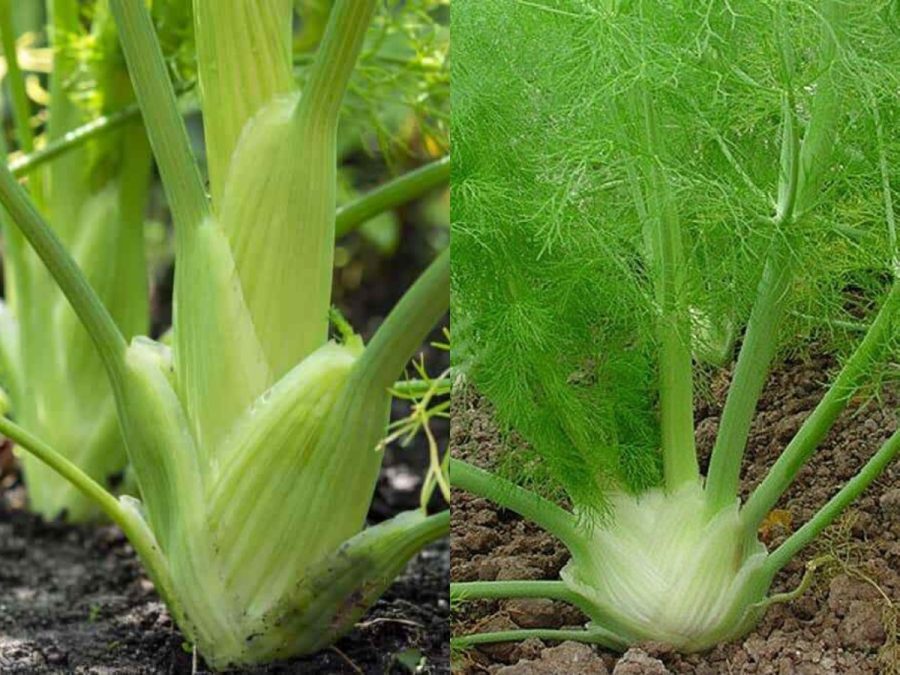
x,y
663,567
592,633
334,594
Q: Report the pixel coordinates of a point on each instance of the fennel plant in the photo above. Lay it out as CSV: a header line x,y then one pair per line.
x,y
633,181
94,195
253,439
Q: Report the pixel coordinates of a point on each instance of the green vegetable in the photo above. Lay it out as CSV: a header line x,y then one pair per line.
x,y
95,197
635,185
253,439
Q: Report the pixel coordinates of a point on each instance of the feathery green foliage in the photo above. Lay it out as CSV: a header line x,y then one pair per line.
x,y
636,185
551,268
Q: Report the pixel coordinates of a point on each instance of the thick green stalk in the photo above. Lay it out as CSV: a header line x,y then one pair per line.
x,y
803,165
664,237
244,61
109,341
836,505
399,191
278,205
543,513
817,425
758,348
165,127
17,275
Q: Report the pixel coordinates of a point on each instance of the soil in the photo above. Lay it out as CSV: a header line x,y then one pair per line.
x,y
846,623
75,600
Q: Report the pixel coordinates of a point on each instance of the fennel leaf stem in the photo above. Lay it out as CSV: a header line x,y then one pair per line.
x,y
542,512
817,425
490,590
18,292
164,123
399,191
134,529
836,505
802,165
591,635
664,235
335,60
758,348
21,107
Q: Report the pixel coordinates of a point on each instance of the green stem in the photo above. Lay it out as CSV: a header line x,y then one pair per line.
x,y
74,139
676,389
71,140
591,635
401,334
491,590
802,166
886,191
15,270
836,505
335,60
56,461
817,425
750,375
414,388
800,589
17,276
789,171
530,506
391,195
106,336
165,126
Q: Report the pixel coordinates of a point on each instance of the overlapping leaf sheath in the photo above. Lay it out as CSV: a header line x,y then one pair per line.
x,y
253,439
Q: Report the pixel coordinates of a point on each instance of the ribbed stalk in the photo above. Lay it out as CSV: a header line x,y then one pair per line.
x,y
336,59
409,322
244,61
168,135
666,252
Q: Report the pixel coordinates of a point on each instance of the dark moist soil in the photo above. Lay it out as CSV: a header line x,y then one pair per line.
x,y
846,623
75,600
